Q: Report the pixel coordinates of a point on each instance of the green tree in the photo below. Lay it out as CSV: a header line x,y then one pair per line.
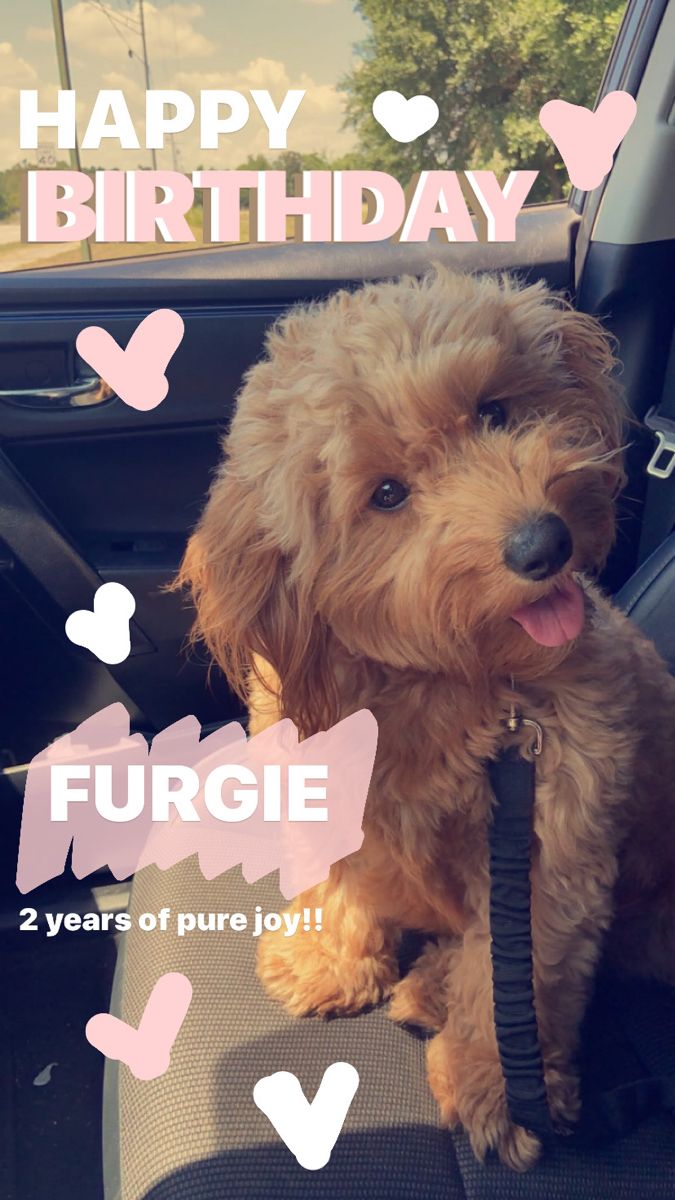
x,y
289,161
5,209
490,65
10,189
255,162
11,186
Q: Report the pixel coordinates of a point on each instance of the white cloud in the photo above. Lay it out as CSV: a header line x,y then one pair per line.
x,y
317,125
170,32
15,72
134,89
42,34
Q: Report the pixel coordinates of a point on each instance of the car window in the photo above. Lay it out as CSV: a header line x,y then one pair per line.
x,y
489,66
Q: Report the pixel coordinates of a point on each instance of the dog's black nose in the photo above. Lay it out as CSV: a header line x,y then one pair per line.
x,y
540,548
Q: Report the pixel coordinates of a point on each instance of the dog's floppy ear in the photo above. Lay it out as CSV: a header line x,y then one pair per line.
x,y
588,353
247,604
581,352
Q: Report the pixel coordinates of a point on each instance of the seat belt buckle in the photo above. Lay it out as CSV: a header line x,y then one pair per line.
x,y
664,430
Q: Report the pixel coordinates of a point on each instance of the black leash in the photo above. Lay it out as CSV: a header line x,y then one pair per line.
x,y
513,782
607,1114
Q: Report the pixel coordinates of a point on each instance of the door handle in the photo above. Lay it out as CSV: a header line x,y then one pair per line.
x,y
86,393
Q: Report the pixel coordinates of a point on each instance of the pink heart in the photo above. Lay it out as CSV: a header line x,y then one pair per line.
x,y
136,374
587,140
146,1050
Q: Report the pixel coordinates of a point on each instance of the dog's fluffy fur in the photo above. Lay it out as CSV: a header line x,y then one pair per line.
x,y
315,605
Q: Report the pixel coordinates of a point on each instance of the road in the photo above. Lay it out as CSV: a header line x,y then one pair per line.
x,y
10,233
16,255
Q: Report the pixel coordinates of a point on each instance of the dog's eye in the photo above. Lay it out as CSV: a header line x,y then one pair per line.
x,y
492,414
389,494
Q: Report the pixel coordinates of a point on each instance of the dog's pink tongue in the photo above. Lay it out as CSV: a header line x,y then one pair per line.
x,y
556,618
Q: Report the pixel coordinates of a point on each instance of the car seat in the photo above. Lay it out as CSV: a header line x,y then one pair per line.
x,y
196,1134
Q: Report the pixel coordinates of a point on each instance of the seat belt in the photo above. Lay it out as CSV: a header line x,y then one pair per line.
x,y
605,1115
658,519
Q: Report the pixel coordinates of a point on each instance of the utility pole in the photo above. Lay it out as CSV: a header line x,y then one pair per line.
x,y
175,152
146,64
66,85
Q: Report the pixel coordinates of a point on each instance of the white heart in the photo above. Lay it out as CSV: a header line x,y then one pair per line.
x,y
309,1130
404,120
105,631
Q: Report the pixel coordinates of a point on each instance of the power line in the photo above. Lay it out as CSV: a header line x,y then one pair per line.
x,y
126,18
111,16
102,8
142,58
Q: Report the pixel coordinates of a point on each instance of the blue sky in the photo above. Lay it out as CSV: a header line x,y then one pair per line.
x,y
274,44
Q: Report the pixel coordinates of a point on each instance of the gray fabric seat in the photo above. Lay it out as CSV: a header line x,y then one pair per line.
x,y
195,1133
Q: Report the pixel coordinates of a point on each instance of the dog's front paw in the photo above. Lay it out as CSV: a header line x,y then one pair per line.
x,y
564,1102
419,998
517,1147
471,1092
442,1071
309,979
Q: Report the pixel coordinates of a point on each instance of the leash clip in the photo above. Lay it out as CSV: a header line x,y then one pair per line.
x,y
514,722
538,735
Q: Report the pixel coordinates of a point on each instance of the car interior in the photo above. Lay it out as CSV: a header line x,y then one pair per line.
x,y
93,491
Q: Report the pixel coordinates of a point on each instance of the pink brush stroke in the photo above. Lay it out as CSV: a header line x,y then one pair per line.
x,y
146,1050
135,374
588,140
303,851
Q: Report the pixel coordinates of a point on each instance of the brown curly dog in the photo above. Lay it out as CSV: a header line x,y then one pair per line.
x,y
418,486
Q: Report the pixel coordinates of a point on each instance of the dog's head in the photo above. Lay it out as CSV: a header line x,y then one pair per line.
x,y
416,470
